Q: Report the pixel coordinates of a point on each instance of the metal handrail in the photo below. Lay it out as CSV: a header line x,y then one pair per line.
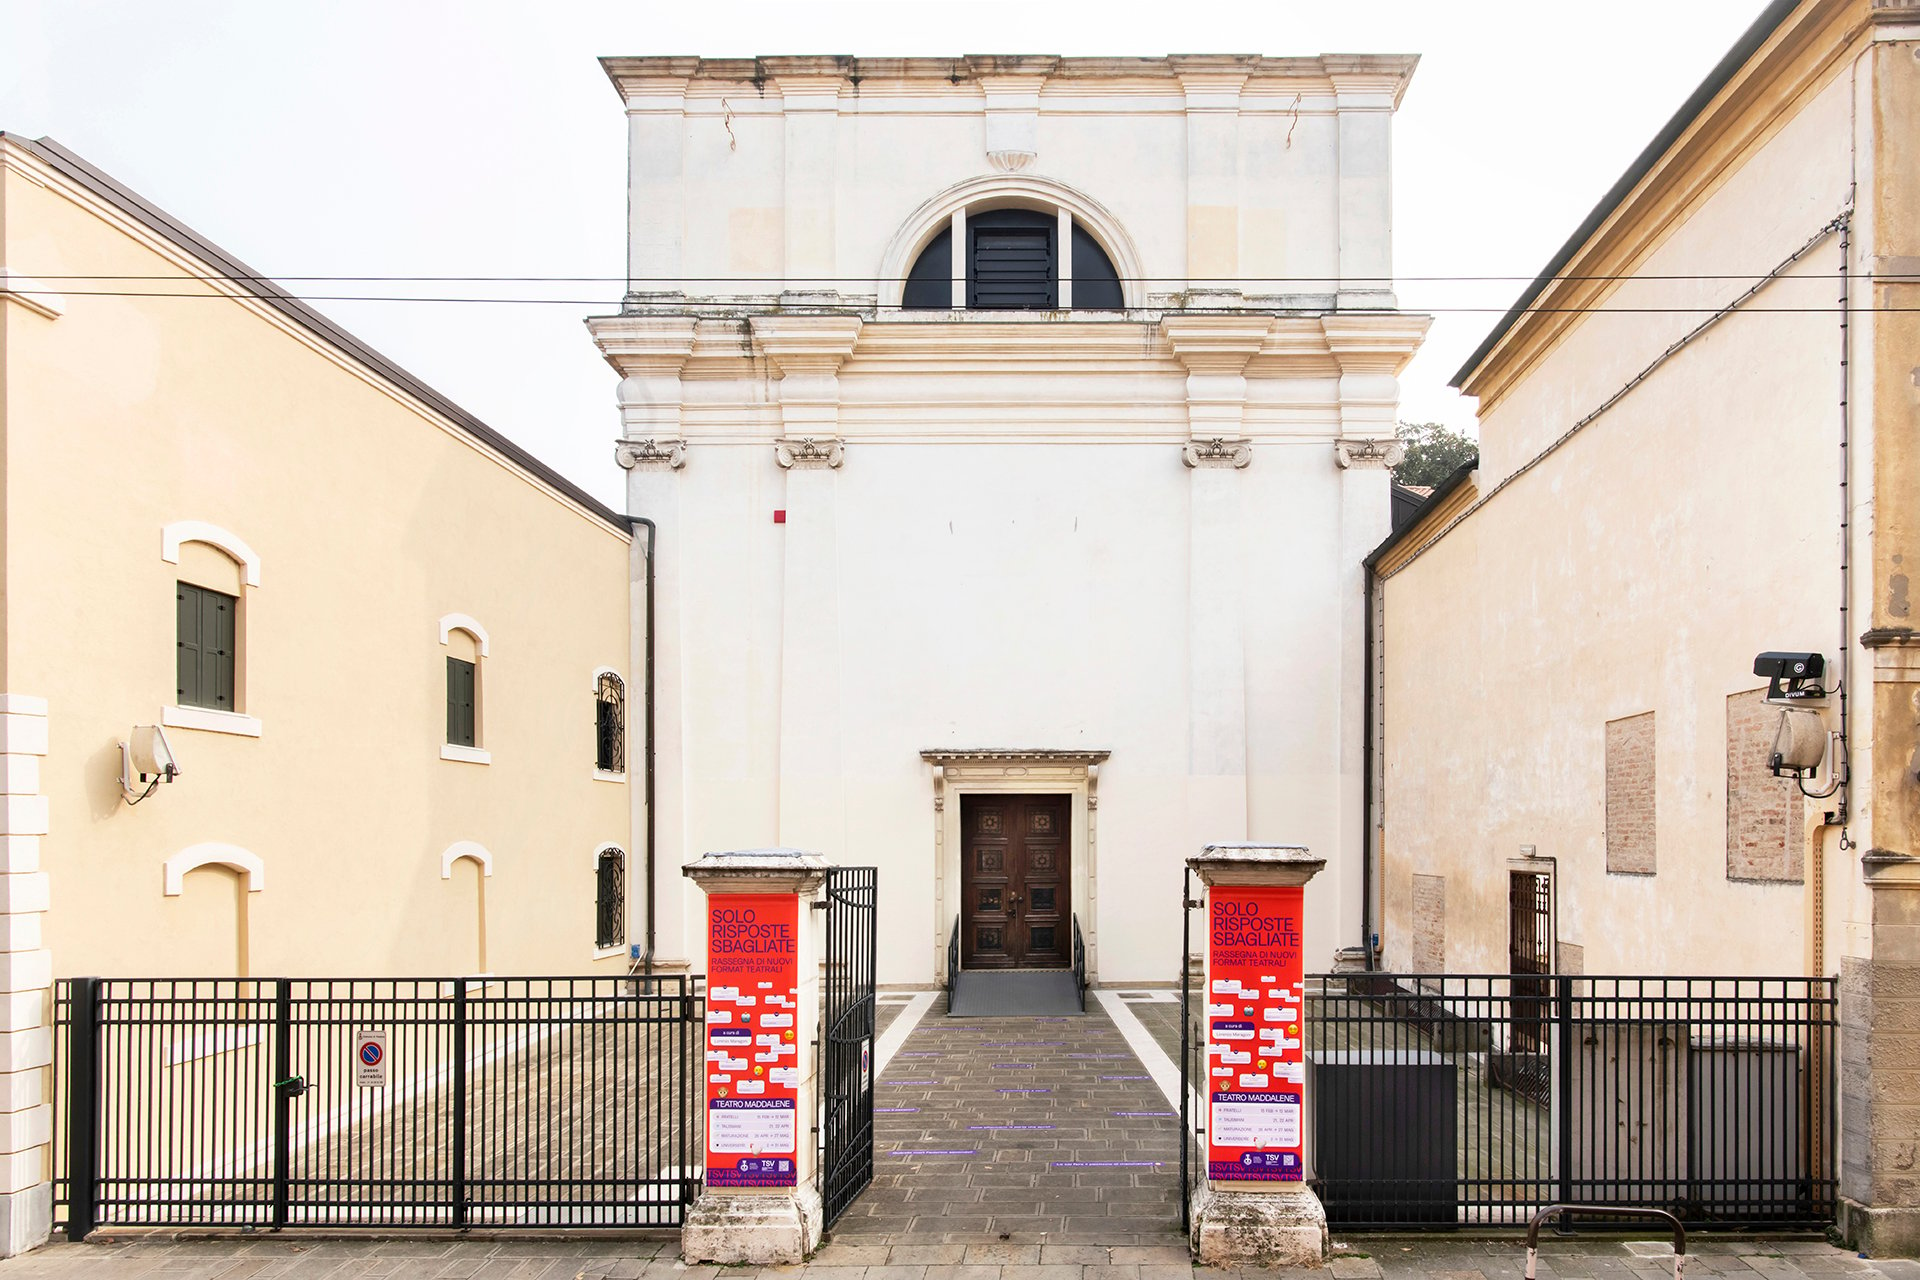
x,y
1605,1211
953,960
1079,965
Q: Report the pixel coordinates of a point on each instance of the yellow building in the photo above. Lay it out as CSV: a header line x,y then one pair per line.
x,y
1697,446
388,651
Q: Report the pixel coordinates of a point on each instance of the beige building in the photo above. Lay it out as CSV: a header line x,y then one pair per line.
x,y
1691,454
387,649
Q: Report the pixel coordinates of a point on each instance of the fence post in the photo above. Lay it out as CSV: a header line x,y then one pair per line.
x,y
459,1105
1563,1089
83,1109
282,1099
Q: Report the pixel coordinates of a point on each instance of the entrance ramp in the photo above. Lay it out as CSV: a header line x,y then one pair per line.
x,y
1015,993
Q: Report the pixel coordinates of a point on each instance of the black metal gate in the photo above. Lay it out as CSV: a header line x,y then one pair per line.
x,y
376,1102
846,1038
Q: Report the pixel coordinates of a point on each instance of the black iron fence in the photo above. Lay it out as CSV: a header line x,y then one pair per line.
x,y
1442,1100
516,1102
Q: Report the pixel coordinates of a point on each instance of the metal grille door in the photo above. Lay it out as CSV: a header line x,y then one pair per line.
x,y
846,1040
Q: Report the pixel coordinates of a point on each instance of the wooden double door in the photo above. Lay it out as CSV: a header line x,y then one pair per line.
x,y
1015,882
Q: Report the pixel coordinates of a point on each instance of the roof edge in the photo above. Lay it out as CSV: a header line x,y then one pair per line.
x,y
73,167
1723,72
1441,492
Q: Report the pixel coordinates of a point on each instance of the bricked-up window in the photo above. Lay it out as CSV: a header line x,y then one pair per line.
x,y
1429,924
1630,830
1765,815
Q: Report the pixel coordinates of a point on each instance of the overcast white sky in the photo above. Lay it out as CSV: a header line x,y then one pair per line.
x,y
479,137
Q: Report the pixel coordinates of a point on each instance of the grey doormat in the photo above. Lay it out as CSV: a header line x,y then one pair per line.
x,y
1018,993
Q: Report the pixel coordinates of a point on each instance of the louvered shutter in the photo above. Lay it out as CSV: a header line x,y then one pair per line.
x,y
459,702
1012,263
204,647
187,656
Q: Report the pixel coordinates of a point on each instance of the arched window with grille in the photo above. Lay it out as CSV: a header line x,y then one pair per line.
x,y
610,898
609,723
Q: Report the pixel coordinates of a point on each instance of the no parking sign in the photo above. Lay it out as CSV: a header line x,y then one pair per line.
x,y
370,1059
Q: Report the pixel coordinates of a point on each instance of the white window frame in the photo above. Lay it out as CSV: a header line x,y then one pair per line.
x,y
626,890
593,688
482,649
207,719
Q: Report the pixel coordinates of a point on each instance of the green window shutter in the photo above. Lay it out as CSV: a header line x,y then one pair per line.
x,y
459,702
187,661
216,660
205,648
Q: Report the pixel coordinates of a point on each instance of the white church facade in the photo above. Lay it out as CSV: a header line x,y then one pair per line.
x,y
1006,436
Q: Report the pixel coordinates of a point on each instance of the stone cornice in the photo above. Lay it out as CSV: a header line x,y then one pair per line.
x,y
1256,344
1013,755
638,77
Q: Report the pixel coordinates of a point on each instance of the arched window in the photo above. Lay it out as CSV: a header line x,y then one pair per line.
x,y
609,723
1013,262
610,898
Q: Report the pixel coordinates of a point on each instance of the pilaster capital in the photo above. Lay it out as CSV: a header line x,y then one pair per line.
x,y
671,454
644,346
1381,342
809,452
1212,82
1215,344
1218,452
1362,454
805,344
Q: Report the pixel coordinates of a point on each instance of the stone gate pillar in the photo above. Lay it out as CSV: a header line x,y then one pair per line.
x,y
1253,1207
760,1202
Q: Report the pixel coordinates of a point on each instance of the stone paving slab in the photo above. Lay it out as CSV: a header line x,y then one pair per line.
x,y
159,1257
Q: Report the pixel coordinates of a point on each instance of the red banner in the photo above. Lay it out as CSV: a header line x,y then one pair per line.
x,y
753,1054
1256,1069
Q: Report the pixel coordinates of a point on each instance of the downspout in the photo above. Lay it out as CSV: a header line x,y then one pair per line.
x,y
1367,836
653,536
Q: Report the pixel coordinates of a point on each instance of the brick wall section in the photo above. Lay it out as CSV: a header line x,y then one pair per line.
x,y
1766,833
1429,924
1630,836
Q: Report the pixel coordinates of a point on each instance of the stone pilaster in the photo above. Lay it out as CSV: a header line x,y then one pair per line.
x,y
1212,87
1364,103
1249,1223
26,980
807,352
811,113
768,1226
1215,350
1880,1098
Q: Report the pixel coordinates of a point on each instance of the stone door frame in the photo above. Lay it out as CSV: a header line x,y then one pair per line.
x,y
1020,771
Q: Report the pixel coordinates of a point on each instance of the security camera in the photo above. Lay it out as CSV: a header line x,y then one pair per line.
x,y
1792,677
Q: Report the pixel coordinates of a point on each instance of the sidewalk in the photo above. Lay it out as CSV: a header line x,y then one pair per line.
x,y
1366,1258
